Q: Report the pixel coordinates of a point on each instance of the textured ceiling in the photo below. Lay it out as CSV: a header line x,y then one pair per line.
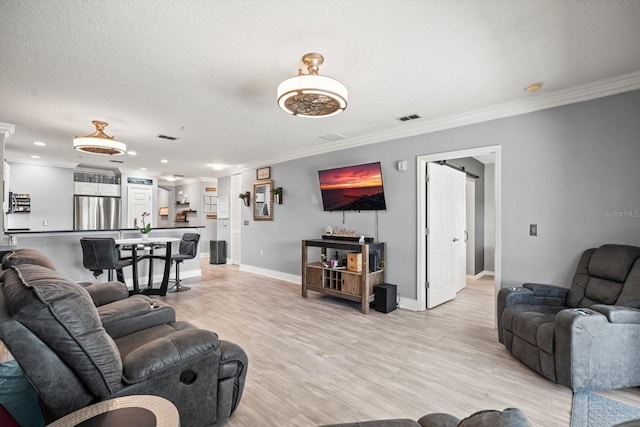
x,y
207,71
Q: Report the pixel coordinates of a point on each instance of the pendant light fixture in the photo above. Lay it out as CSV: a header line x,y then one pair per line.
x,y
311,95
99,142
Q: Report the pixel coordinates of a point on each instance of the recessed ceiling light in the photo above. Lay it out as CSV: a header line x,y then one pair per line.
x,y
170,178
332,137
143,169
40,143
218,166
164,161
35,157
533,87
131,153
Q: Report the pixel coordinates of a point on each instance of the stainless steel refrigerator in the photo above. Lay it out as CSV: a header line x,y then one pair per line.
x,y
96,213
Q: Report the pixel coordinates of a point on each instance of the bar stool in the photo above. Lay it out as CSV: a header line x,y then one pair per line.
x,y
101,253
188,250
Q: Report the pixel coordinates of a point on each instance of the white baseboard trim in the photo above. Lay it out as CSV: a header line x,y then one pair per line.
x,y
272,273
479,275
409,304
404,303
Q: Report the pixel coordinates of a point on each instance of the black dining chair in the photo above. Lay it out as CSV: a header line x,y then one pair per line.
x,y
188,250
101,253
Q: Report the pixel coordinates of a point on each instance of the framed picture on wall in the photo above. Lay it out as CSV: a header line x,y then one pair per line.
x,y
263,173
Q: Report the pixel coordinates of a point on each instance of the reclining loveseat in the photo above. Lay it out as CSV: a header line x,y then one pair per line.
x,y
586,337
56,334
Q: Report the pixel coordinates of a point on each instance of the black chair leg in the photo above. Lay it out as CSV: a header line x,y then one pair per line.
x,y
120,276
177,287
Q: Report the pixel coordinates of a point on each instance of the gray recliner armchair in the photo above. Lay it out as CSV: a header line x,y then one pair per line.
x,y
586,337
52,328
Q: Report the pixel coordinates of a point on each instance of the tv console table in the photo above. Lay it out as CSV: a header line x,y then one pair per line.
x,y
342,283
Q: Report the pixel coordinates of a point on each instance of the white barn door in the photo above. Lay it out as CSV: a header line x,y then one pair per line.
x,y
446,249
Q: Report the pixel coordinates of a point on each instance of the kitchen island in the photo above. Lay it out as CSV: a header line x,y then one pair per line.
x,y
63,247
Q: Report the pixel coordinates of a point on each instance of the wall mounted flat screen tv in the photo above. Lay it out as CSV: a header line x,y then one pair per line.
x,y
353,188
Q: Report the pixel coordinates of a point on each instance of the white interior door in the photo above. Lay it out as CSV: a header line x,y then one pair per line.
x,y
236,218
446,253
139,200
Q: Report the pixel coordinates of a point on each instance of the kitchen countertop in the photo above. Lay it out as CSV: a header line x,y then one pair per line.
x,y
27,231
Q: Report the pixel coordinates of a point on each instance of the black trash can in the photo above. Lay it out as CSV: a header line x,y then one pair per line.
x,y
217,252
385,297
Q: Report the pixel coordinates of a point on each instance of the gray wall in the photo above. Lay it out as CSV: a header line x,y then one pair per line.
x,y
573,170
477,168
489,217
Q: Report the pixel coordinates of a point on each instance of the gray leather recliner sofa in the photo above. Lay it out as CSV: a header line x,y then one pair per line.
x,y
120,313
52,327
586,337
510,417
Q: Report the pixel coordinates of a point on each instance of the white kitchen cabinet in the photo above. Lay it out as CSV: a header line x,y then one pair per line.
x,y
97,189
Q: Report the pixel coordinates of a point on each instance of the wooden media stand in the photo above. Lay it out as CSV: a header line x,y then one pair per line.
x,y
340,282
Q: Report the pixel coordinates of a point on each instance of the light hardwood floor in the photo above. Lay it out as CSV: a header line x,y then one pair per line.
x,y
320,360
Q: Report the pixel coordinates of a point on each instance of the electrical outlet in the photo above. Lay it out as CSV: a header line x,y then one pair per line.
x,y
533,229
246,222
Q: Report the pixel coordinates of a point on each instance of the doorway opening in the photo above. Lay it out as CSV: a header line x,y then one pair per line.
x,y
492,234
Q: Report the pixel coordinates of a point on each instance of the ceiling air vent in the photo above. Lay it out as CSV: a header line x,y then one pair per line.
x,y
332,137
116,161
170,138
410,117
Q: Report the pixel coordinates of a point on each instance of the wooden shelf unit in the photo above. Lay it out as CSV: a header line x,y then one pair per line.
x,y
342,283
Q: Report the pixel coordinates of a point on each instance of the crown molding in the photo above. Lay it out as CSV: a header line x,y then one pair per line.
x,y
7,129
540,101
193,180
65,165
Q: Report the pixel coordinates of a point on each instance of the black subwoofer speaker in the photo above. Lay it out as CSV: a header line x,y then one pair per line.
x,y
217,252
385,297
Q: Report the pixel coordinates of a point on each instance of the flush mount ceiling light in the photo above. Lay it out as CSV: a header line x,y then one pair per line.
x,y
533,87
311,95
99,142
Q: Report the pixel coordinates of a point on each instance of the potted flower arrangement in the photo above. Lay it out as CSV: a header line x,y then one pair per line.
x,y
245,198
146,228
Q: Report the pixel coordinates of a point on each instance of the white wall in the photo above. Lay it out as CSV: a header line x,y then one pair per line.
x,y
194,191
51,189
165,199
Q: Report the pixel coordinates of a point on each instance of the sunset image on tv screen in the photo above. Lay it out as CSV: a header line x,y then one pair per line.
x,y
352,188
